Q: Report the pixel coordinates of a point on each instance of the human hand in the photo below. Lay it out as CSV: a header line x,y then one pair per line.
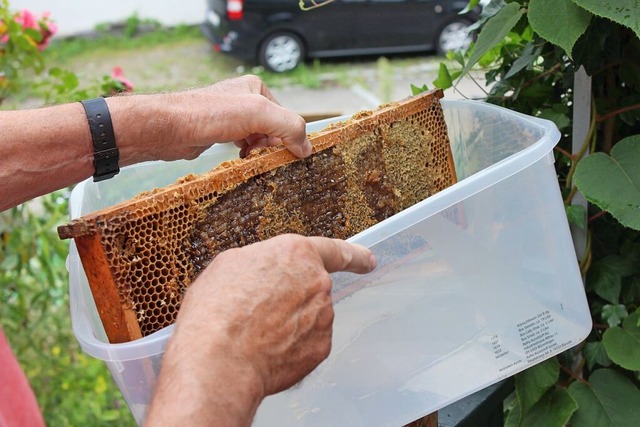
x,y
255,322
181,125
271,303
286,128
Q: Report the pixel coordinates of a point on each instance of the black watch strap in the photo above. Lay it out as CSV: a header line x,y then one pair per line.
x,y
105,152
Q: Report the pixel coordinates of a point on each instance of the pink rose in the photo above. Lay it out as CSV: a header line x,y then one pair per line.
x,y
41,23
27,20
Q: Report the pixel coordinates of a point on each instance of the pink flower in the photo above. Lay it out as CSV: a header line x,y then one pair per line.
x,y
47,28
27,20
3,30
118,76
46,24
43,24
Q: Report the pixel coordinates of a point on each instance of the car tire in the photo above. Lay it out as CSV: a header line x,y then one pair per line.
x,y
280,52
454,35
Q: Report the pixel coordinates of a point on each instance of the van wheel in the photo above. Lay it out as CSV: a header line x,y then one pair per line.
x,y
281,52
454,36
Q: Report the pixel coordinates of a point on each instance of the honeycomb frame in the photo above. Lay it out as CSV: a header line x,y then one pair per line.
x,y
141,255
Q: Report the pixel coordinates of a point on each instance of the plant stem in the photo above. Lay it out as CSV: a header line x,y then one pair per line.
x,y
478,84
551,70
585,262
565,152
596,216
587,142
573,374
572,192
614,113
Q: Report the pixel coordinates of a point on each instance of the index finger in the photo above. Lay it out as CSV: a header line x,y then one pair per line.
x,y
338,255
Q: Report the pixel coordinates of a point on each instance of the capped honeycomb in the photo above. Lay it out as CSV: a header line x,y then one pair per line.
x,y
141,255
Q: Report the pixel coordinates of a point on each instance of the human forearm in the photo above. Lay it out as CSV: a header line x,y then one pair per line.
x,y
204,387
46,149
42,150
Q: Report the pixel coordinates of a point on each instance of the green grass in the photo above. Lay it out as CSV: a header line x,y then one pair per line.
x,y
106,40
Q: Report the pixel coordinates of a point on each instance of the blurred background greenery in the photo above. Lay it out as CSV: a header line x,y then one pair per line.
x,y
72,388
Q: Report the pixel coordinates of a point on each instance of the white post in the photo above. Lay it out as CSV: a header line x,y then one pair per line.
x,y
581,122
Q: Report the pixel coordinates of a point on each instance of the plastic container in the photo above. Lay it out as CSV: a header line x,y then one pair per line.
x,y
474,284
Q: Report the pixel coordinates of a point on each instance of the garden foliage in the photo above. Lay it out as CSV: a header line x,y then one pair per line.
x,y
72,388
530,50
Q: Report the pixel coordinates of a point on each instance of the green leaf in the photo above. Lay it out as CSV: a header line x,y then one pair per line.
x,y
577,215
624,12
608,400
595,353
623,343
514,417
535,381
10,262
488,10
560,119
444,80
630,249
529,55
457,56
614,314
605,277
624,264
553,410
470,5
415,90
34,34
631,291
613,182
24,43
55,71
70,81
493,32
559,21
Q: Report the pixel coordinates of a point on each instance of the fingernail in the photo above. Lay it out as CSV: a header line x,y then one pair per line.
x,y
373,263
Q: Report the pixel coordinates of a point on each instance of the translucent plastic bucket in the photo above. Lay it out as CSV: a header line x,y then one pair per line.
x,y
474,284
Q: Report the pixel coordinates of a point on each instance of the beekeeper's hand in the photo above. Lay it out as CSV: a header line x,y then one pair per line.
x,y
255,322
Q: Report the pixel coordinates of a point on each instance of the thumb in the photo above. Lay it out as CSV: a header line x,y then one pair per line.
x,y
276,121
338,255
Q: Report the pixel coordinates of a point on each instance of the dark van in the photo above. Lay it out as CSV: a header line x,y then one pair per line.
x,y
279,34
